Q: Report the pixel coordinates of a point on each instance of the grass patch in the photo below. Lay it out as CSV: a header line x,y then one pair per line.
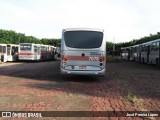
x,y
133,98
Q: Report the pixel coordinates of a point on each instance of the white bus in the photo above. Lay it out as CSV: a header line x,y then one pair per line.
x,y
3,52
29,51
83,52
9,52
125,53
12,52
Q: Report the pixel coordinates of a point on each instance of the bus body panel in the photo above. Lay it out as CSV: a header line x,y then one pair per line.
x,y
75,58
82,61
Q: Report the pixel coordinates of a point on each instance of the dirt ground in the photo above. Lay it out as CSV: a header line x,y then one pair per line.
x,y
38,86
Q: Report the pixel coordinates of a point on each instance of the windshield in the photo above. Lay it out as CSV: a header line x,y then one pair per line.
x,y
25,47
83,39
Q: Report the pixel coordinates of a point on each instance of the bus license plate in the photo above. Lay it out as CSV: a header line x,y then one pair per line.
x,y
82,67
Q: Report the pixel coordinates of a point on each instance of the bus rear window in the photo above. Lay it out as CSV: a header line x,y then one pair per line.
x,y
83,39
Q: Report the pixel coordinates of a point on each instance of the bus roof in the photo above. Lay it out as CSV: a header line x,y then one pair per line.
x,y
151,42
3,44
13,44
84,29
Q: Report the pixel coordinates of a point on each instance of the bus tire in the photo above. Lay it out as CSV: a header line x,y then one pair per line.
x,y
2,58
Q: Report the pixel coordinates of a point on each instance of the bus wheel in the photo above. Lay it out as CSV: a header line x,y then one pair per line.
x,y
2,58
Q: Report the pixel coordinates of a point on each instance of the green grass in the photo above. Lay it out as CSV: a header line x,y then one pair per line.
x,y
133,98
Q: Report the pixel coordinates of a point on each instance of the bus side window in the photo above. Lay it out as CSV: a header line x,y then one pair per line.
x,y
4,49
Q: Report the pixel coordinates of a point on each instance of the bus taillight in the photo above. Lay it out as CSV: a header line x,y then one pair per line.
x,y
65,59
100,59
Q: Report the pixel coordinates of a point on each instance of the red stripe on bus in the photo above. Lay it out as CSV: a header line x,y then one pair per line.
x,y
26,53
85,58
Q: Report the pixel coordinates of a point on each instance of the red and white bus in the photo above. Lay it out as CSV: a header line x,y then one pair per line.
x,y
29,51
35,52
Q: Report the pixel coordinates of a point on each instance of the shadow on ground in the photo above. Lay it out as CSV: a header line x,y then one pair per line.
x,y
143,80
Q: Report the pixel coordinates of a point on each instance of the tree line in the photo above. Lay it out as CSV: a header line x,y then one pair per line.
x,y
12,37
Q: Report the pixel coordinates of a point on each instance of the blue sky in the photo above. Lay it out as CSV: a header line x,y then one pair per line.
x,y
122,20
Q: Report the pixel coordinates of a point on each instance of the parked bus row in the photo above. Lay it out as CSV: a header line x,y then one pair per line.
x,y
26,51
148,52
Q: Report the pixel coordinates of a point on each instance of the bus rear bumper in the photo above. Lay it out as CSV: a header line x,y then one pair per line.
x,y
70,72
